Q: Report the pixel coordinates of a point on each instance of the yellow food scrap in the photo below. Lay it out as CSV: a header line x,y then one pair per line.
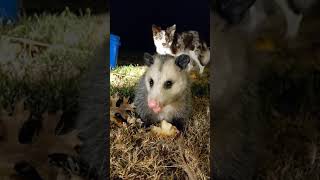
x,y
165,129
264,44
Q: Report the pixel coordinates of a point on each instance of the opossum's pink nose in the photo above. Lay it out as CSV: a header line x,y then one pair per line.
x,y
154,105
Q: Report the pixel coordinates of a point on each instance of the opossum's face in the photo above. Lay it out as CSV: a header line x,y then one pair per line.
x,y
166,79
163,38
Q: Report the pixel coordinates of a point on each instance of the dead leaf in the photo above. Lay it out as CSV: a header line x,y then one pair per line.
x,y
36,153
120,115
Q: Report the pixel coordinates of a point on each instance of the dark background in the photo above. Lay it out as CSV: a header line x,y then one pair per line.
x,y
132,20
56,6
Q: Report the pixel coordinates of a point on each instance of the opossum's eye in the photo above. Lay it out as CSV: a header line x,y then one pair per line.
x,y
167,84
151,82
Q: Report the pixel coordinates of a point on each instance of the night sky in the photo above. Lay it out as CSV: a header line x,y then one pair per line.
x,y
132,20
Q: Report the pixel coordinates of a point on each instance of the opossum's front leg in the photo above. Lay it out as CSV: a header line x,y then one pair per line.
x,y
148,121
179,123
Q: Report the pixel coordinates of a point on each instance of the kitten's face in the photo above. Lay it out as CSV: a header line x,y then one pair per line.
x,y
163,38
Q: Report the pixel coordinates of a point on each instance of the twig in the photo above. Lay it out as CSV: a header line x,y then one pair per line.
x,y
125,75
26,41
37,43
185,167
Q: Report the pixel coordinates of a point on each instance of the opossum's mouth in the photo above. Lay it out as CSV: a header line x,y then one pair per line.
x,y
156,110
155,106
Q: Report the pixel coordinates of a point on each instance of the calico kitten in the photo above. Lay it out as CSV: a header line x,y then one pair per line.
x,y
174,44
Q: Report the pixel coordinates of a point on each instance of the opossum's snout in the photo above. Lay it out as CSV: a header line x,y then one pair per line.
x,y
154,105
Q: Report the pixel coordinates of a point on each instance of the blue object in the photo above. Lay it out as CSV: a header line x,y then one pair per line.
x,y
114,50
8,10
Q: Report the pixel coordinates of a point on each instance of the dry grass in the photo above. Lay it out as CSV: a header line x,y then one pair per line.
x,y
293,149
50,79
136,153
291,93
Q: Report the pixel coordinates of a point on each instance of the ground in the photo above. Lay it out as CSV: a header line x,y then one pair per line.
x,y
290,90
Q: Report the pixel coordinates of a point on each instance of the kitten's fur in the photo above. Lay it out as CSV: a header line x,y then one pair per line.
x,y
233,11
169,42
293,10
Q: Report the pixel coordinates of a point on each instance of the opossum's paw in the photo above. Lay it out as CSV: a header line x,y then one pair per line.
x,y
165,130
147,124
179,124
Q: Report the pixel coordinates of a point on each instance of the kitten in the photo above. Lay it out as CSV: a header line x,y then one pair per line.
x,y
169,42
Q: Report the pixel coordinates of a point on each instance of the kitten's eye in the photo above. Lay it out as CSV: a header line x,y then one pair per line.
x,y
151,82
168,84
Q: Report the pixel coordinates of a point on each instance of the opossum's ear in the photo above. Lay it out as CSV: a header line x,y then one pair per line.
x,y
182,61
148,59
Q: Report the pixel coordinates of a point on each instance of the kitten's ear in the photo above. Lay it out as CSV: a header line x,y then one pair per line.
x,y
182,61
171,30
148,59
173,27
155,29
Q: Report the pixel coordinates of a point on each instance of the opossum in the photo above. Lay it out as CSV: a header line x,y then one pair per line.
x,y
164,92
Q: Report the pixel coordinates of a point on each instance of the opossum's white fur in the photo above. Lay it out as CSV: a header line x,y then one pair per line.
x,y
175,102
